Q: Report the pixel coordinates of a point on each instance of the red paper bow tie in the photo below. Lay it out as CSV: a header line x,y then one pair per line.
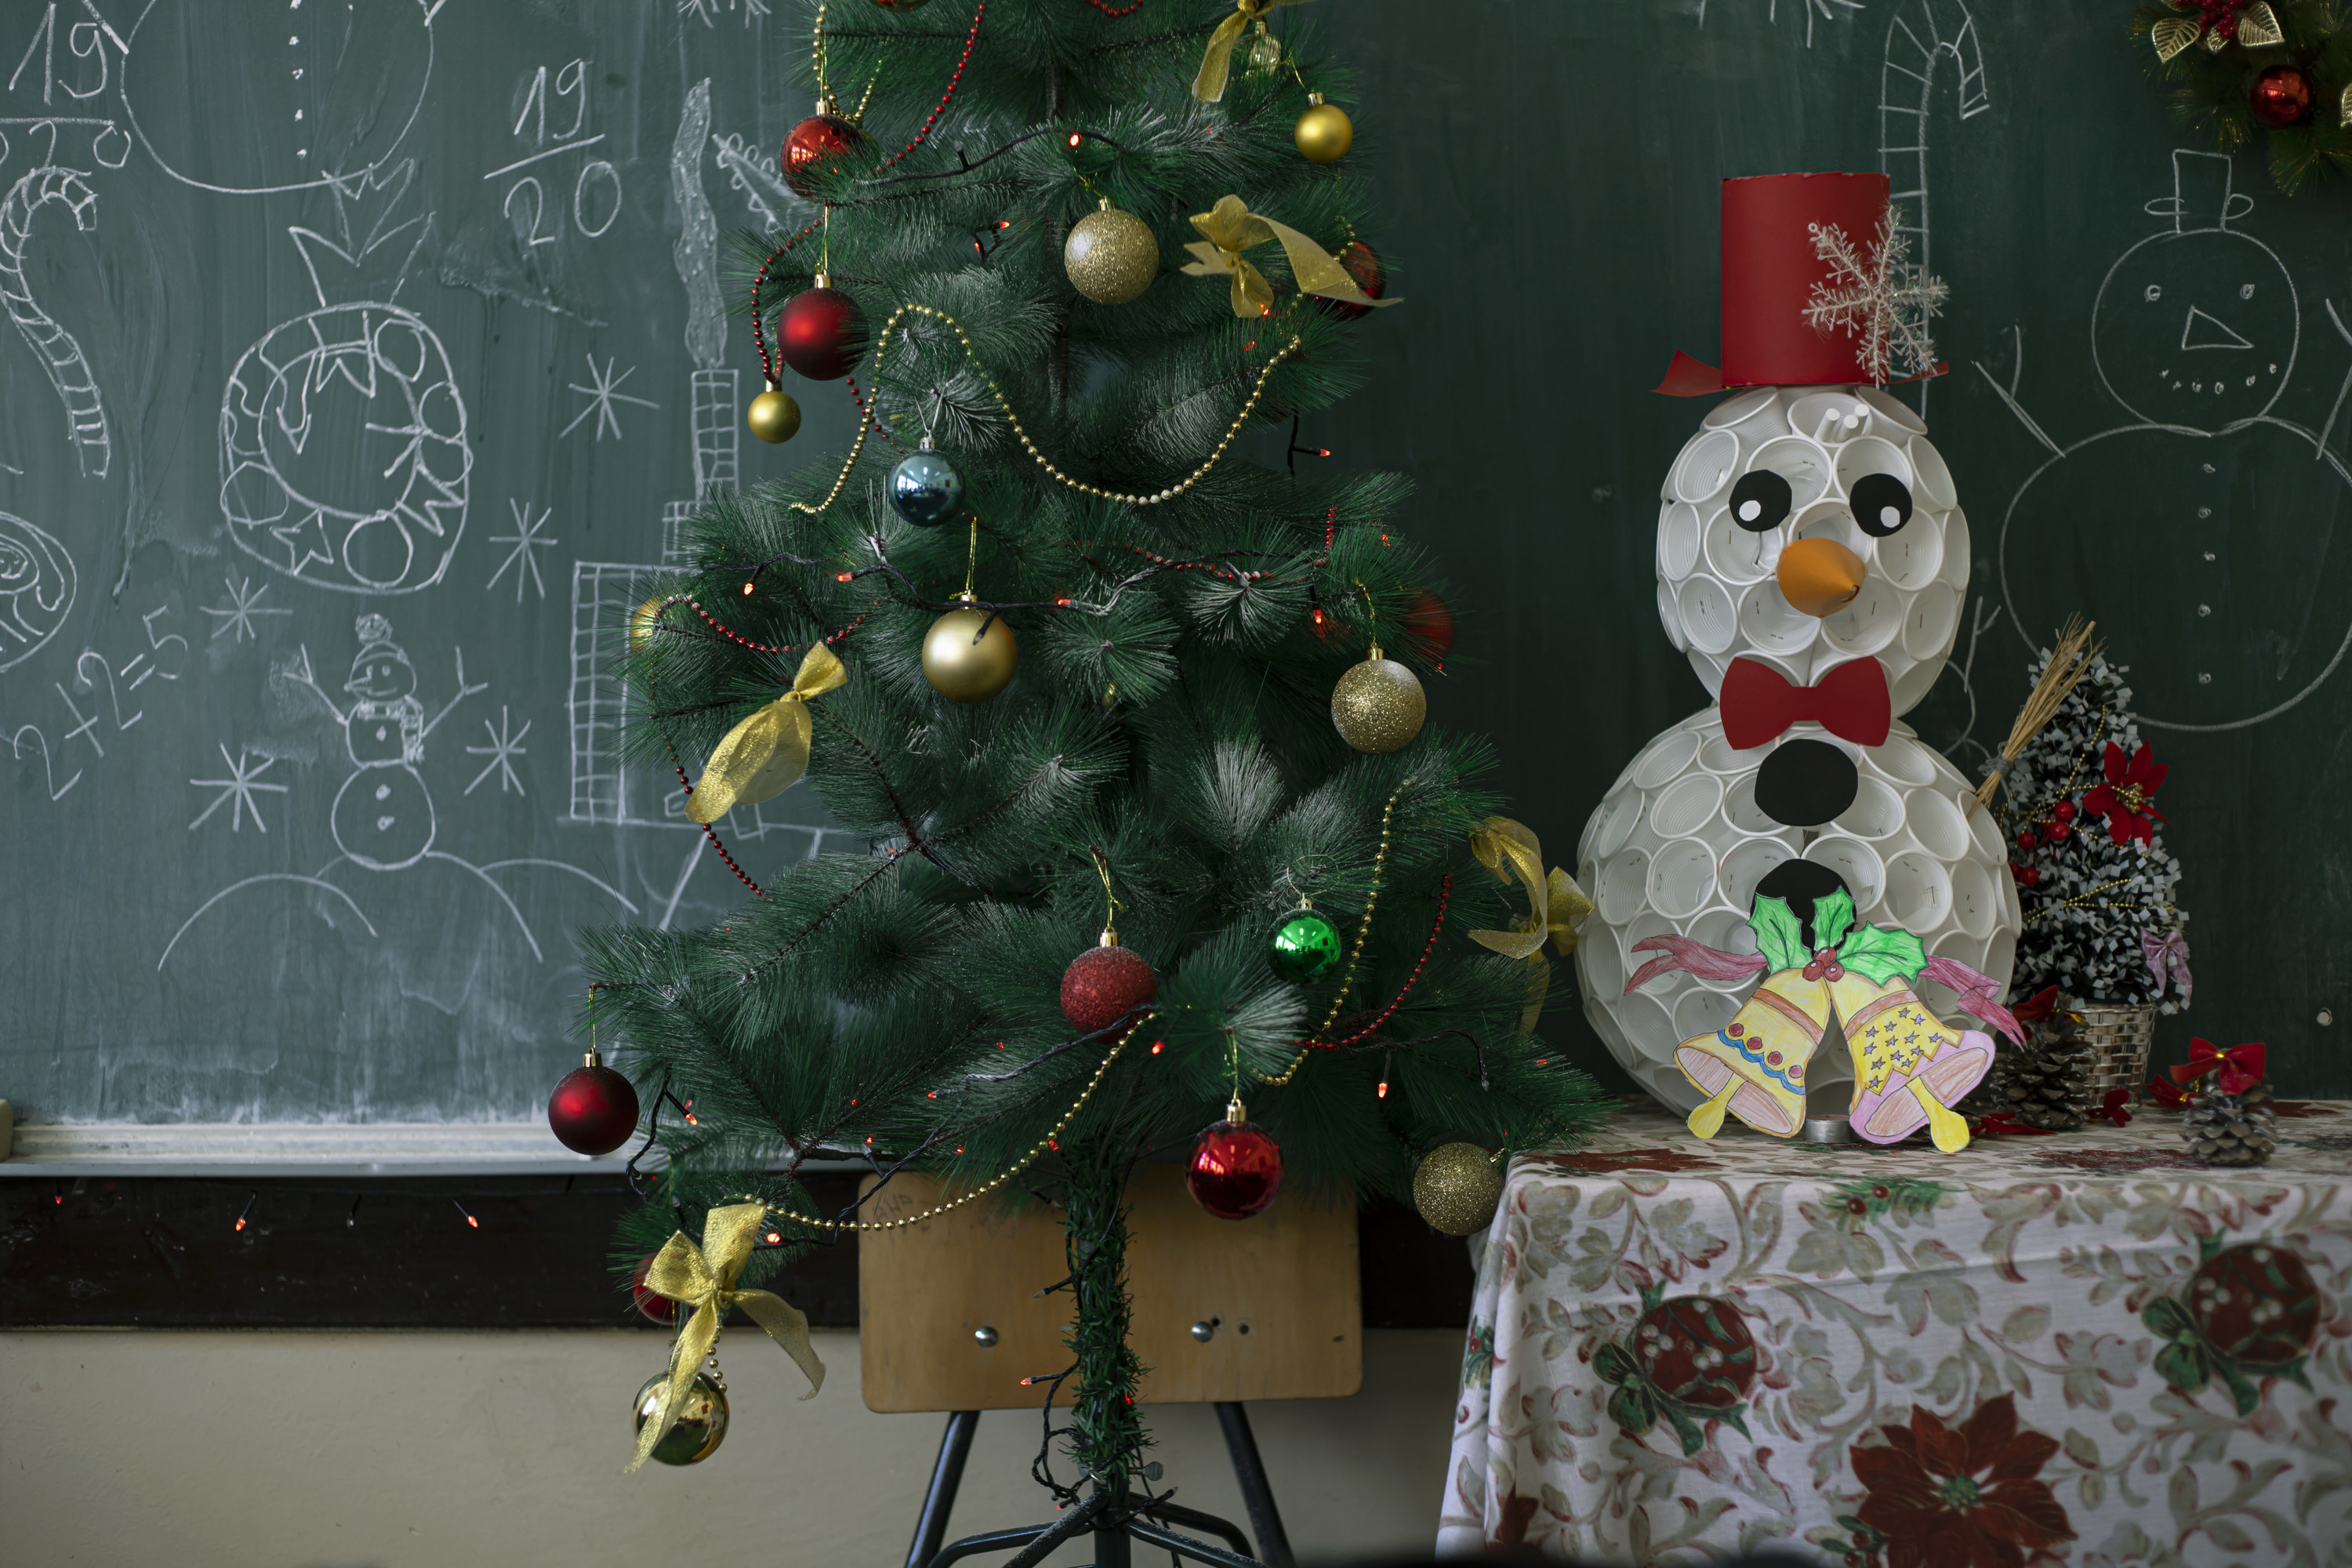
x,y
2238,1069
1851,703
2041,1004
2113,1107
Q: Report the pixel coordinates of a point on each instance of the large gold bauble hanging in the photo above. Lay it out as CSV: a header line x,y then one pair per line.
x,y
1111,256
701,1418
773,416
642,622
1456,1187
1323,133
966,662
1377,705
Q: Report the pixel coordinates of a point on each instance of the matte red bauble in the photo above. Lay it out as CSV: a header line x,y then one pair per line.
x,y
1361,262
1428,625
650,1302
593,1109
1236,1170
2282,96
819,331
813,143
1104,984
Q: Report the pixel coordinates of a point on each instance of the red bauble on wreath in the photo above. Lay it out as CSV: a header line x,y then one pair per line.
x,y
1104,984
593,1108
814,143
1236,1170
2283,96
1361,262
820,332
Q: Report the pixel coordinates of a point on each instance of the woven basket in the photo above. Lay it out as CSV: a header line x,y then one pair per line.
x,y
2119,1035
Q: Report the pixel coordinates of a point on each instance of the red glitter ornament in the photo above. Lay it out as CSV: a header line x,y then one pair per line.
x,y
1429,624
820,332
593,1109
1361,262
813,146
2282,96
650,1302
1104,984
1236,1170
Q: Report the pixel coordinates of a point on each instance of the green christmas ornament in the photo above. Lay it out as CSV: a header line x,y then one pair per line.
x,y
1304,947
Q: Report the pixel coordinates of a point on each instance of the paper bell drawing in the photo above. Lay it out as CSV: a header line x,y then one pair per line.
x,y
1812,561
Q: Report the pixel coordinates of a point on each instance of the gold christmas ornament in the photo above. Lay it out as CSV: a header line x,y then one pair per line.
x,y
774,415
969,655
1456,1187
1377,705
1323,133
642,621
701,1424
767,753
1111,256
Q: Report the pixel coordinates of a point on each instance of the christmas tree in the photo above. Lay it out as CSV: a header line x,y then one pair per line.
x,y
1132,723
2093,876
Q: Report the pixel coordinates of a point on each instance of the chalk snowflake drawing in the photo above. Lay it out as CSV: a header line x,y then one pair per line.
x,y
525,538
344,457
238,790
604,392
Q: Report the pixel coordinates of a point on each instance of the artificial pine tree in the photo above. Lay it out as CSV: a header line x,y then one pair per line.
x,y
1163,759
2095,880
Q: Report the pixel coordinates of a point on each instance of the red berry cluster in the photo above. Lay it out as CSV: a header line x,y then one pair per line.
x,y
2222,15
2054,829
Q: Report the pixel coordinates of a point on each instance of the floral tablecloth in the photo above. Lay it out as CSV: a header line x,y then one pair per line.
x,y
2078,1349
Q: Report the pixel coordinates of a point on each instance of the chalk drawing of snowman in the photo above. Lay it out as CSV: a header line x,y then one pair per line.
x,y
383,816
2210,537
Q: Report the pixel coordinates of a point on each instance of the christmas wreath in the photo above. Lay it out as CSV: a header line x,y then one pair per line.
x,y
2282,68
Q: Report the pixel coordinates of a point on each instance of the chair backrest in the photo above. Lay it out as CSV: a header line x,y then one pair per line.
x,y
1279,1291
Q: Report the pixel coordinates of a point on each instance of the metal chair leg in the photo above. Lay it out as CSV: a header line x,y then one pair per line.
x,y
1265,1519
947,1477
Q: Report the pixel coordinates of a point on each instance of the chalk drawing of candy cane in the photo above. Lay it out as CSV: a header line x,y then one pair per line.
x,y
60,354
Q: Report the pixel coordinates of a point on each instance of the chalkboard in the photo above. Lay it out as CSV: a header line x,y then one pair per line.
x,y
365,358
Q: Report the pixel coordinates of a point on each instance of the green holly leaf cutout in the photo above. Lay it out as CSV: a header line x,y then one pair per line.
x,y
1779,935
1832,913
1880,952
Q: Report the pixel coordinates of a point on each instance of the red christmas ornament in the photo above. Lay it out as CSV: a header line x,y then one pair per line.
x,y
2025,840
815,142
1236,1170
2063,810
819,329
1104,984
2058,832
1429,623
650,1302
2282,96
593,1109
1361,262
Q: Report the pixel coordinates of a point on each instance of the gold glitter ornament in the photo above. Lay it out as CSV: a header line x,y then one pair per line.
x,y
1324,132
1457,1188
773,416
969,655
701,1424
1111,256
1378,706
642,622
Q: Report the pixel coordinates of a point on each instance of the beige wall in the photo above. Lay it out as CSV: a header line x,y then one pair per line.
x,y
290,1451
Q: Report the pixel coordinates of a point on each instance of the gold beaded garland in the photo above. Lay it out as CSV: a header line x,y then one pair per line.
x,y
1378,706
1456,1187
1111,256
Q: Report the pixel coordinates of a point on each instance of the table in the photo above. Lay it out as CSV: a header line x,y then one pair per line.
x,y
2078,1349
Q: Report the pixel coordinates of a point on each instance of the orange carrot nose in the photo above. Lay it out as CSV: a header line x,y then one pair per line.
x,y
1821,576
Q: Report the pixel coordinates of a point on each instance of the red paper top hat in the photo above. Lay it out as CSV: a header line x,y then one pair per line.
x,y
1770,269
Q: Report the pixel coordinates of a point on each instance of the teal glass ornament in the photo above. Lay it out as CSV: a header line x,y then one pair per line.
x,y
1304,946
925,488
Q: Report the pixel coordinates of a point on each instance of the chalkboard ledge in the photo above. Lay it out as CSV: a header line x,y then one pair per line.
x,y
297,1149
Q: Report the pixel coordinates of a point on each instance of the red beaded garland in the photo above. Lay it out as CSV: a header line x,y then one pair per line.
x,y
593,1110
1104,984
818,333
1236,1170
945,98
813,146
1445,896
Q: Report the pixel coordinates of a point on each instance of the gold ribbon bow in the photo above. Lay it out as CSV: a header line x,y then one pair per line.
x,y
1210,85
2258,28
766,753
1232,228
1555,905
703,1280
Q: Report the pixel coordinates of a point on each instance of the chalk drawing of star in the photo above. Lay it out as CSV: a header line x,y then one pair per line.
x,y
241,787
244,604
505,745
525,538
602,392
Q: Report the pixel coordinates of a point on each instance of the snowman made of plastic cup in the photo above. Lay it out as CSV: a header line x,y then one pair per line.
x,y
383,817
1774,876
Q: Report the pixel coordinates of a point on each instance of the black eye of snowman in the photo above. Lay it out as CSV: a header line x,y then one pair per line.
x,y
1882,504
1761,501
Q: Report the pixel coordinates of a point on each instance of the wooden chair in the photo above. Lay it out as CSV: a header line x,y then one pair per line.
x,y
951,1319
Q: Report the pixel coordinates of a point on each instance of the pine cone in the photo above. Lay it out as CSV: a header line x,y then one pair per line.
x,y
2231,1129
2046,1085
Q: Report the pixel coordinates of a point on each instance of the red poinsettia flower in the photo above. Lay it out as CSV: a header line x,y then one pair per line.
x,y
2128,797
1965,1498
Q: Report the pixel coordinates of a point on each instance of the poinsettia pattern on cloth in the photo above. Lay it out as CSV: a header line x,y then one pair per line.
x,y
2071,1351
2128,798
